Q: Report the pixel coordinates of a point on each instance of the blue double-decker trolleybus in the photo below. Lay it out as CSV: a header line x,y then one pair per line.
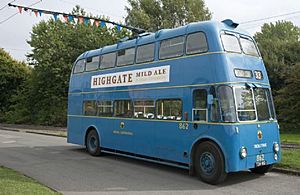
x,y
196,97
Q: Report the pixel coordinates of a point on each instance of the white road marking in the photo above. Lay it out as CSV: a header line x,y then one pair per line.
x,y
9,142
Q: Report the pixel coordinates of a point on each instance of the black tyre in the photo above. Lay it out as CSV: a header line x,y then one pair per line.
x,y
93,143
262,170
210,163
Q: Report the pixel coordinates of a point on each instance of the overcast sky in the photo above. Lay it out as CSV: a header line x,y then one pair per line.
x,y
15,31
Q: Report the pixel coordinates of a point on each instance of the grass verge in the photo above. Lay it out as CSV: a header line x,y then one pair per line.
x,y
14,183
290,159
290,138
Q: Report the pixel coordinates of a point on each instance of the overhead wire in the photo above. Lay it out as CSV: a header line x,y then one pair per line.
x,y
13,15
5,6
270,17
15,49
73,3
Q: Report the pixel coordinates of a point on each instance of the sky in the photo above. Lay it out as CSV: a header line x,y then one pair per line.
x,y
15,32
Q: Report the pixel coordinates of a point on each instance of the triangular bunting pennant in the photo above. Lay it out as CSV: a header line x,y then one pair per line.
x,y
119,27
66,18
36,13
70,18
40,12
80,19
55,16
86,21
20,9
96,23
102,24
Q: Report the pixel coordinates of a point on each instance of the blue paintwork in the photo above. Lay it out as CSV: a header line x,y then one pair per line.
x,y
163,139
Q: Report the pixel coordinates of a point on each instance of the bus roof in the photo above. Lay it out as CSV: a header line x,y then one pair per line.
x,y
204,26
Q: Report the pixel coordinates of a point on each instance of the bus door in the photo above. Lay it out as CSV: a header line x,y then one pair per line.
x,y
199,112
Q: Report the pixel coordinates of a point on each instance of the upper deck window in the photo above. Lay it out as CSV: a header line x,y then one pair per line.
x,y
108,60
196,43
92,63
231,43
126,57
171,48
248,46
79,66
145,53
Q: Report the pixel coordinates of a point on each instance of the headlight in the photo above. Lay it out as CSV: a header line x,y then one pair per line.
x,y
276,147
243,152
275,156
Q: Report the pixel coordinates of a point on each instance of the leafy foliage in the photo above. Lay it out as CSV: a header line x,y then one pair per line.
x,y
12,76
153,15
279,44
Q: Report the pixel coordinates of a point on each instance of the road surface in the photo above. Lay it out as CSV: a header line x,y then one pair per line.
x,y
69,169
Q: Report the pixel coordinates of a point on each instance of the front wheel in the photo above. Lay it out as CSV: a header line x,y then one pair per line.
x,y
209,163
93,143
262,170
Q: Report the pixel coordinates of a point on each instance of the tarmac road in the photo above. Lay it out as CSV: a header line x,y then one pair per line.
x,y
69,169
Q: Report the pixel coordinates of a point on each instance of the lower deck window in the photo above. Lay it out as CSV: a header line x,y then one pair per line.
x,y
169,109
144,109
105,108
123,108
90,108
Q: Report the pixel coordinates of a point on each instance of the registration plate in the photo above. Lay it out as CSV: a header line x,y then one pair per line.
x,y
260,160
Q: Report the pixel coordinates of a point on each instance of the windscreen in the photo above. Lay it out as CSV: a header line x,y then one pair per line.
x,y
236,43
245,104
231,43
264,104
248,47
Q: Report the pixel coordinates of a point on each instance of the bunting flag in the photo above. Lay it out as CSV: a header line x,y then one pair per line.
x,y
20,9
79,19
66,18
119,27
36,13
102,24
96,23
55,16
70,18
86,21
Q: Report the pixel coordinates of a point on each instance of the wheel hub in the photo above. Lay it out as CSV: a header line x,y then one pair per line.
x,y
207,163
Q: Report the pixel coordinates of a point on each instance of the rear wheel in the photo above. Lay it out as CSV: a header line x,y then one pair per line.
x,y
262,170
93,143
209,163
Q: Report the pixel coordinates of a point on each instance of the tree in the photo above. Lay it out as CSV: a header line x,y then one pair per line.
x,y
12,75
288,101
279,44
56,45
153,15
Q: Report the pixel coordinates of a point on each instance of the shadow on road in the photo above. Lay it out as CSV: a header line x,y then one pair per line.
x,y
232,178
